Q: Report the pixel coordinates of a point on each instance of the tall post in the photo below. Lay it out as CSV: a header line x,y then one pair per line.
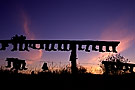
x,y
73,59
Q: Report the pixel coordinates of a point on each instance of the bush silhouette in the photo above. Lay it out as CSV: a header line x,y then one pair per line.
x,y
113,64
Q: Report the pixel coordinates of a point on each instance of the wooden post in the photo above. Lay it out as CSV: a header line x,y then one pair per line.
x,y
73,59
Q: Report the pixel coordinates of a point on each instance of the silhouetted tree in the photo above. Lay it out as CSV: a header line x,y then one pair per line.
x,y
113,58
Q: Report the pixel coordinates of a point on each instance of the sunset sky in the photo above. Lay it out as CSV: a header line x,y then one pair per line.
x,y
112,20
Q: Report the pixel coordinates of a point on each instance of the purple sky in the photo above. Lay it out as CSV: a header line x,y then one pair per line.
x,y
69,19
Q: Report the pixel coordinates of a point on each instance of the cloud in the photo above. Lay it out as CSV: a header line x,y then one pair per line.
x,y
32,55
117,31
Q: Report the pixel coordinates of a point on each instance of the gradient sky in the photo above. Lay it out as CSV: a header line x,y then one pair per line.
x,y
68,19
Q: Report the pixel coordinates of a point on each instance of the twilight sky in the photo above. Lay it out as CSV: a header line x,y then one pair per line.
x,y
68,19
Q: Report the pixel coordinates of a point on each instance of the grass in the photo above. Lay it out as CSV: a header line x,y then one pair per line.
x,y
64,79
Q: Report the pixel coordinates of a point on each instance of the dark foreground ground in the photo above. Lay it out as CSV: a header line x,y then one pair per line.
x,y
49,81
